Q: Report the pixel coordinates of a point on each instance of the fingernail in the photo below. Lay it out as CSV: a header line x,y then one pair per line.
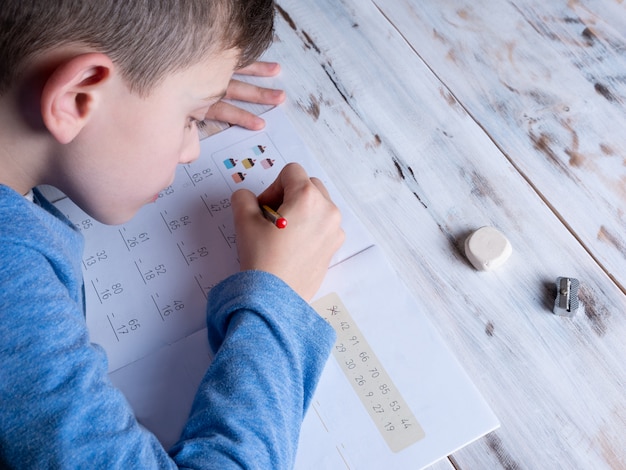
x,y
278,94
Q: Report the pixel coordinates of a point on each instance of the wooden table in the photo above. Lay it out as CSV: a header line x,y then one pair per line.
x,y
438,117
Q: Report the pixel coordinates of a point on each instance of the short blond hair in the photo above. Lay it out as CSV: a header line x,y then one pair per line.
x,y
146,39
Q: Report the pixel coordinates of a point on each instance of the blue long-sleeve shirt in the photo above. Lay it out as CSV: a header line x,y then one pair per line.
x,y
58,408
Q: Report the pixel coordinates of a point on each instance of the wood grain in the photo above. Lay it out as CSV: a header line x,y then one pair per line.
x,y
426,149
547,82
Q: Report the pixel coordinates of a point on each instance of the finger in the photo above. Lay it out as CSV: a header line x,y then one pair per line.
x,y
242,91
321,187
291,177
226,112
244,205
260,69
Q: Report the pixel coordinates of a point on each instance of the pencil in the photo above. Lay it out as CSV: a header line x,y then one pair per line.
x,y
274,217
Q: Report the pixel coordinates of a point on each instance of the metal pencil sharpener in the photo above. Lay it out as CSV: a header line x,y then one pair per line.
x,y
566,302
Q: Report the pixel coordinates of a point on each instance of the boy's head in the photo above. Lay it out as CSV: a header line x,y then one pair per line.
x,y
145,39
100,98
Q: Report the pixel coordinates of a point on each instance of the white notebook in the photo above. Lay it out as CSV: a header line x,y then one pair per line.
x,y
391,396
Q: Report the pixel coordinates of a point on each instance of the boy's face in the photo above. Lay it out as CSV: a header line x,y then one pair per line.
x,y
130,149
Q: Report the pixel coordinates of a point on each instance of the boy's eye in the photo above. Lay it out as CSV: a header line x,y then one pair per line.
x,y
191,121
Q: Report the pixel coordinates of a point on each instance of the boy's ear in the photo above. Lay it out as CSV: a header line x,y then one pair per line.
x,y
72,92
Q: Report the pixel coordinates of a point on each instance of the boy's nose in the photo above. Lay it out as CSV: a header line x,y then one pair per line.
x,y
191,152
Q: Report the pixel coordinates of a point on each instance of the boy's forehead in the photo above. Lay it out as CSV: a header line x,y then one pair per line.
x,y
208,80
217,67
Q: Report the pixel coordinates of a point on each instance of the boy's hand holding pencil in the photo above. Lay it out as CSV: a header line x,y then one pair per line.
x,y
300,253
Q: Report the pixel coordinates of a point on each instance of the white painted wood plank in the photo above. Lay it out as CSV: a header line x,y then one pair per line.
x,y
547,81
421,174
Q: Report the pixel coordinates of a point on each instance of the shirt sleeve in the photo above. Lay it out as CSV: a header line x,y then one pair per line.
x,y
270,348
59,409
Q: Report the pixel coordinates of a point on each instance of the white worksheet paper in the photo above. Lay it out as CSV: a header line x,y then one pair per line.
x,y
146,284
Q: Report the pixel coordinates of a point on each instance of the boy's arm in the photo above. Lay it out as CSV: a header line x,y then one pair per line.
x,y
270,348
270,344
60,410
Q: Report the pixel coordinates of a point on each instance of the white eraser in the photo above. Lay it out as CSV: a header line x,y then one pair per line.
x,y
487,249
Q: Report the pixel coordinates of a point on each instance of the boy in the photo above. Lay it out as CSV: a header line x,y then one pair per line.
x,y
101,99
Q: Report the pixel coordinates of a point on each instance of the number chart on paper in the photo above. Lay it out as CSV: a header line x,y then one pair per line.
x,y
134,272
380,397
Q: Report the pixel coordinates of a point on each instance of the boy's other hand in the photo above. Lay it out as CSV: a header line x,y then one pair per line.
x,y
300,253
242,91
